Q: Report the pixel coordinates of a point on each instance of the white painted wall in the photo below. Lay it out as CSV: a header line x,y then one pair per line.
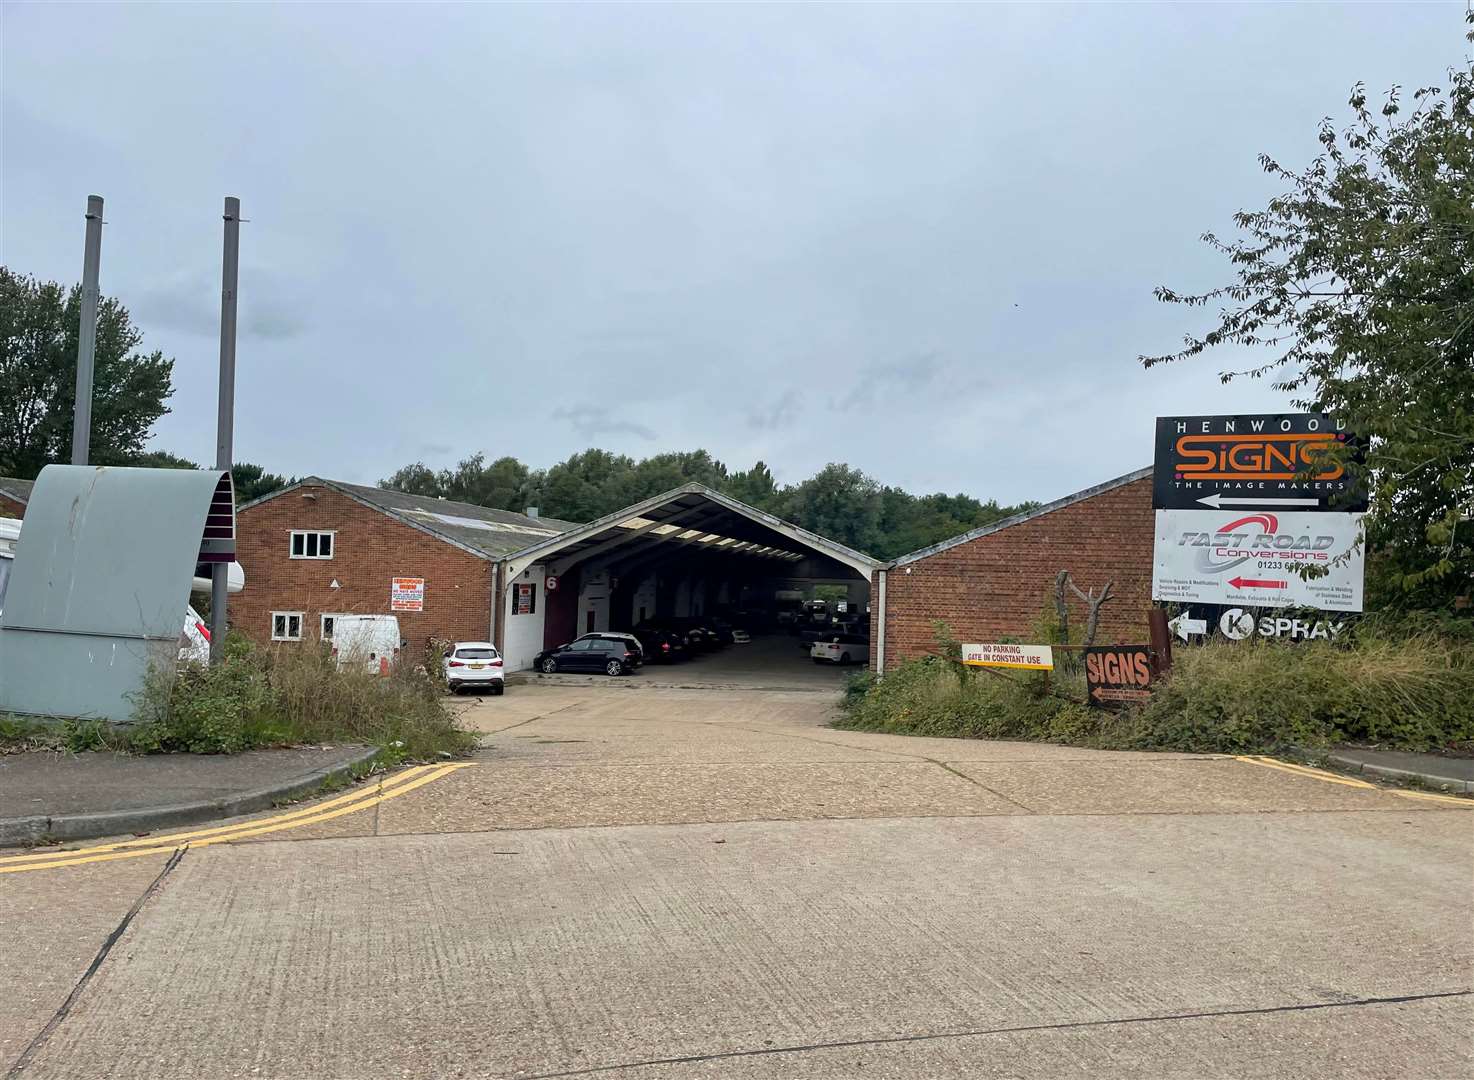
x,y
524,638
593,595
644,597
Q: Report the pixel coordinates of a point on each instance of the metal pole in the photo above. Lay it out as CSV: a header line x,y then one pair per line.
x,y
87,332
225,420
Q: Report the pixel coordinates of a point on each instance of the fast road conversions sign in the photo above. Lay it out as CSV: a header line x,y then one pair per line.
x,y
407,594
1250,559
1118,674
1270,461
1027,657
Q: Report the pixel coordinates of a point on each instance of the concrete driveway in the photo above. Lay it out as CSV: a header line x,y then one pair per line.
x,y
652,883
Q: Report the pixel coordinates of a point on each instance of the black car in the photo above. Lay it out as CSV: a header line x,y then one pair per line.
x,y
609,655
663,646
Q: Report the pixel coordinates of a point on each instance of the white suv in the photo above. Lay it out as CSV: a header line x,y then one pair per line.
x,y
474,663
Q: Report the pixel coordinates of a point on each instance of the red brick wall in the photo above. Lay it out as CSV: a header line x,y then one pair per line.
x,y
369,549
10,508
997,585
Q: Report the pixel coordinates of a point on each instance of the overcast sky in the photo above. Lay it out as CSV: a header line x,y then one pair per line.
x,y
920,240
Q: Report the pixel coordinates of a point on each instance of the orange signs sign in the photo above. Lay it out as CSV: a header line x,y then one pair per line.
x,y
1117,674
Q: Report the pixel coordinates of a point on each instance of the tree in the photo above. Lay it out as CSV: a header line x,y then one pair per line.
x,y
838,502
39,325
1359,281
756,487
416,479
252,481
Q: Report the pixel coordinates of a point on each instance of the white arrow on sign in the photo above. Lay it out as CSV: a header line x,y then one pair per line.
x,y
1182,626
1216,501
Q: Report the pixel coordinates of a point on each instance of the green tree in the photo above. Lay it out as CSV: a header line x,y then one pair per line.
x,y
252,482
839,502
1359,282
756,487
39,324
415,479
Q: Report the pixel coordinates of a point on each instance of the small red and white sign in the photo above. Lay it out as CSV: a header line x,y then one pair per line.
x,y
407,594
1027,657
551,583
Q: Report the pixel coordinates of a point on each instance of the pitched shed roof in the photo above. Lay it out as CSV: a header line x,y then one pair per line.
x,y
19,490
1028,515
493,533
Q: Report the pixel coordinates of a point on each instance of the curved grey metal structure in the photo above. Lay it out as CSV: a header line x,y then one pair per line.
x,y
101,581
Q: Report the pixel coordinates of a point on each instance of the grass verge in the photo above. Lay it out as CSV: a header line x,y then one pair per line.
x,y
1400,686
267,697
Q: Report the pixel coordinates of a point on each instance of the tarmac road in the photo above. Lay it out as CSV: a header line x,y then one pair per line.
x,y
646,883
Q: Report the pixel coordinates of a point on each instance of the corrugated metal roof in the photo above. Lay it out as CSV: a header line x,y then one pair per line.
x,y
19,490
495,533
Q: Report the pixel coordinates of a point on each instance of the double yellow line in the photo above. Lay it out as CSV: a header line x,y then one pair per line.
x,y
1347,781
393,787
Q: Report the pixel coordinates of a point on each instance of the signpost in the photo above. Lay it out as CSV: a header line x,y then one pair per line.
x,y
1244,503
1025,657
407,594
1117,675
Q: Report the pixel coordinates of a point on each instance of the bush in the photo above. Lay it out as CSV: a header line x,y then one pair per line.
x,y
1407,685
288,696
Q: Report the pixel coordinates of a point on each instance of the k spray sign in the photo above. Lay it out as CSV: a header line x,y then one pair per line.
x,y
1254,559
1279,461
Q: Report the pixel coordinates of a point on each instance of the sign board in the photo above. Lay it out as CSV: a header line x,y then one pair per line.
x,y
551,583
1269,461
524,599
1184,626
1116,675
1251,560
1027,657
407,594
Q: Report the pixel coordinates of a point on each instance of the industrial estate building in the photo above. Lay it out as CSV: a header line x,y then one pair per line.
x,y
319,548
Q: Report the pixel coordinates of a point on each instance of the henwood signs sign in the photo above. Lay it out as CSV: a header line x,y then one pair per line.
x,y
1267,461
1244,503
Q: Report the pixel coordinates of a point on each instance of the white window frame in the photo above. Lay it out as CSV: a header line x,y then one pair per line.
x,y
322,623
300,616
332,535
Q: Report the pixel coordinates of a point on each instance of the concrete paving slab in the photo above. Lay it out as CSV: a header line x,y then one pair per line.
x,y
1425,1038
49,934
493,797
537,953
1136,786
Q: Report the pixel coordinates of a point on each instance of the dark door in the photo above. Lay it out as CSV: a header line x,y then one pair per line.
x,y
588,623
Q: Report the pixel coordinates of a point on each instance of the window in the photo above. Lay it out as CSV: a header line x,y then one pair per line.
x,y
582,645
325,631
286,626
524,599
312,545
588,622
475,654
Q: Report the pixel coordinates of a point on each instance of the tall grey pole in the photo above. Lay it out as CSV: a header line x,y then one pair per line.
x,y
87,332
225,421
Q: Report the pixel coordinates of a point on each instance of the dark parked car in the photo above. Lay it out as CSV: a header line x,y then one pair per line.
x,y
663,646
609,655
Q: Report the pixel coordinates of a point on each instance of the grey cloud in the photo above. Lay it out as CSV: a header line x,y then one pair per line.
x,y
592,421
891,235
269,308
781,413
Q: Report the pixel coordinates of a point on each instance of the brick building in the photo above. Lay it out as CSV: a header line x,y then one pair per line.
x,y
995,582
14,494
319,548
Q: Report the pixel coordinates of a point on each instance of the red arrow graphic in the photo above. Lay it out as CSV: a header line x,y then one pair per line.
x,y
1250,583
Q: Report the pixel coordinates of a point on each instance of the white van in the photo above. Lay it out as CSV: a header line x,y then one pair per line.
x,y
372,641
